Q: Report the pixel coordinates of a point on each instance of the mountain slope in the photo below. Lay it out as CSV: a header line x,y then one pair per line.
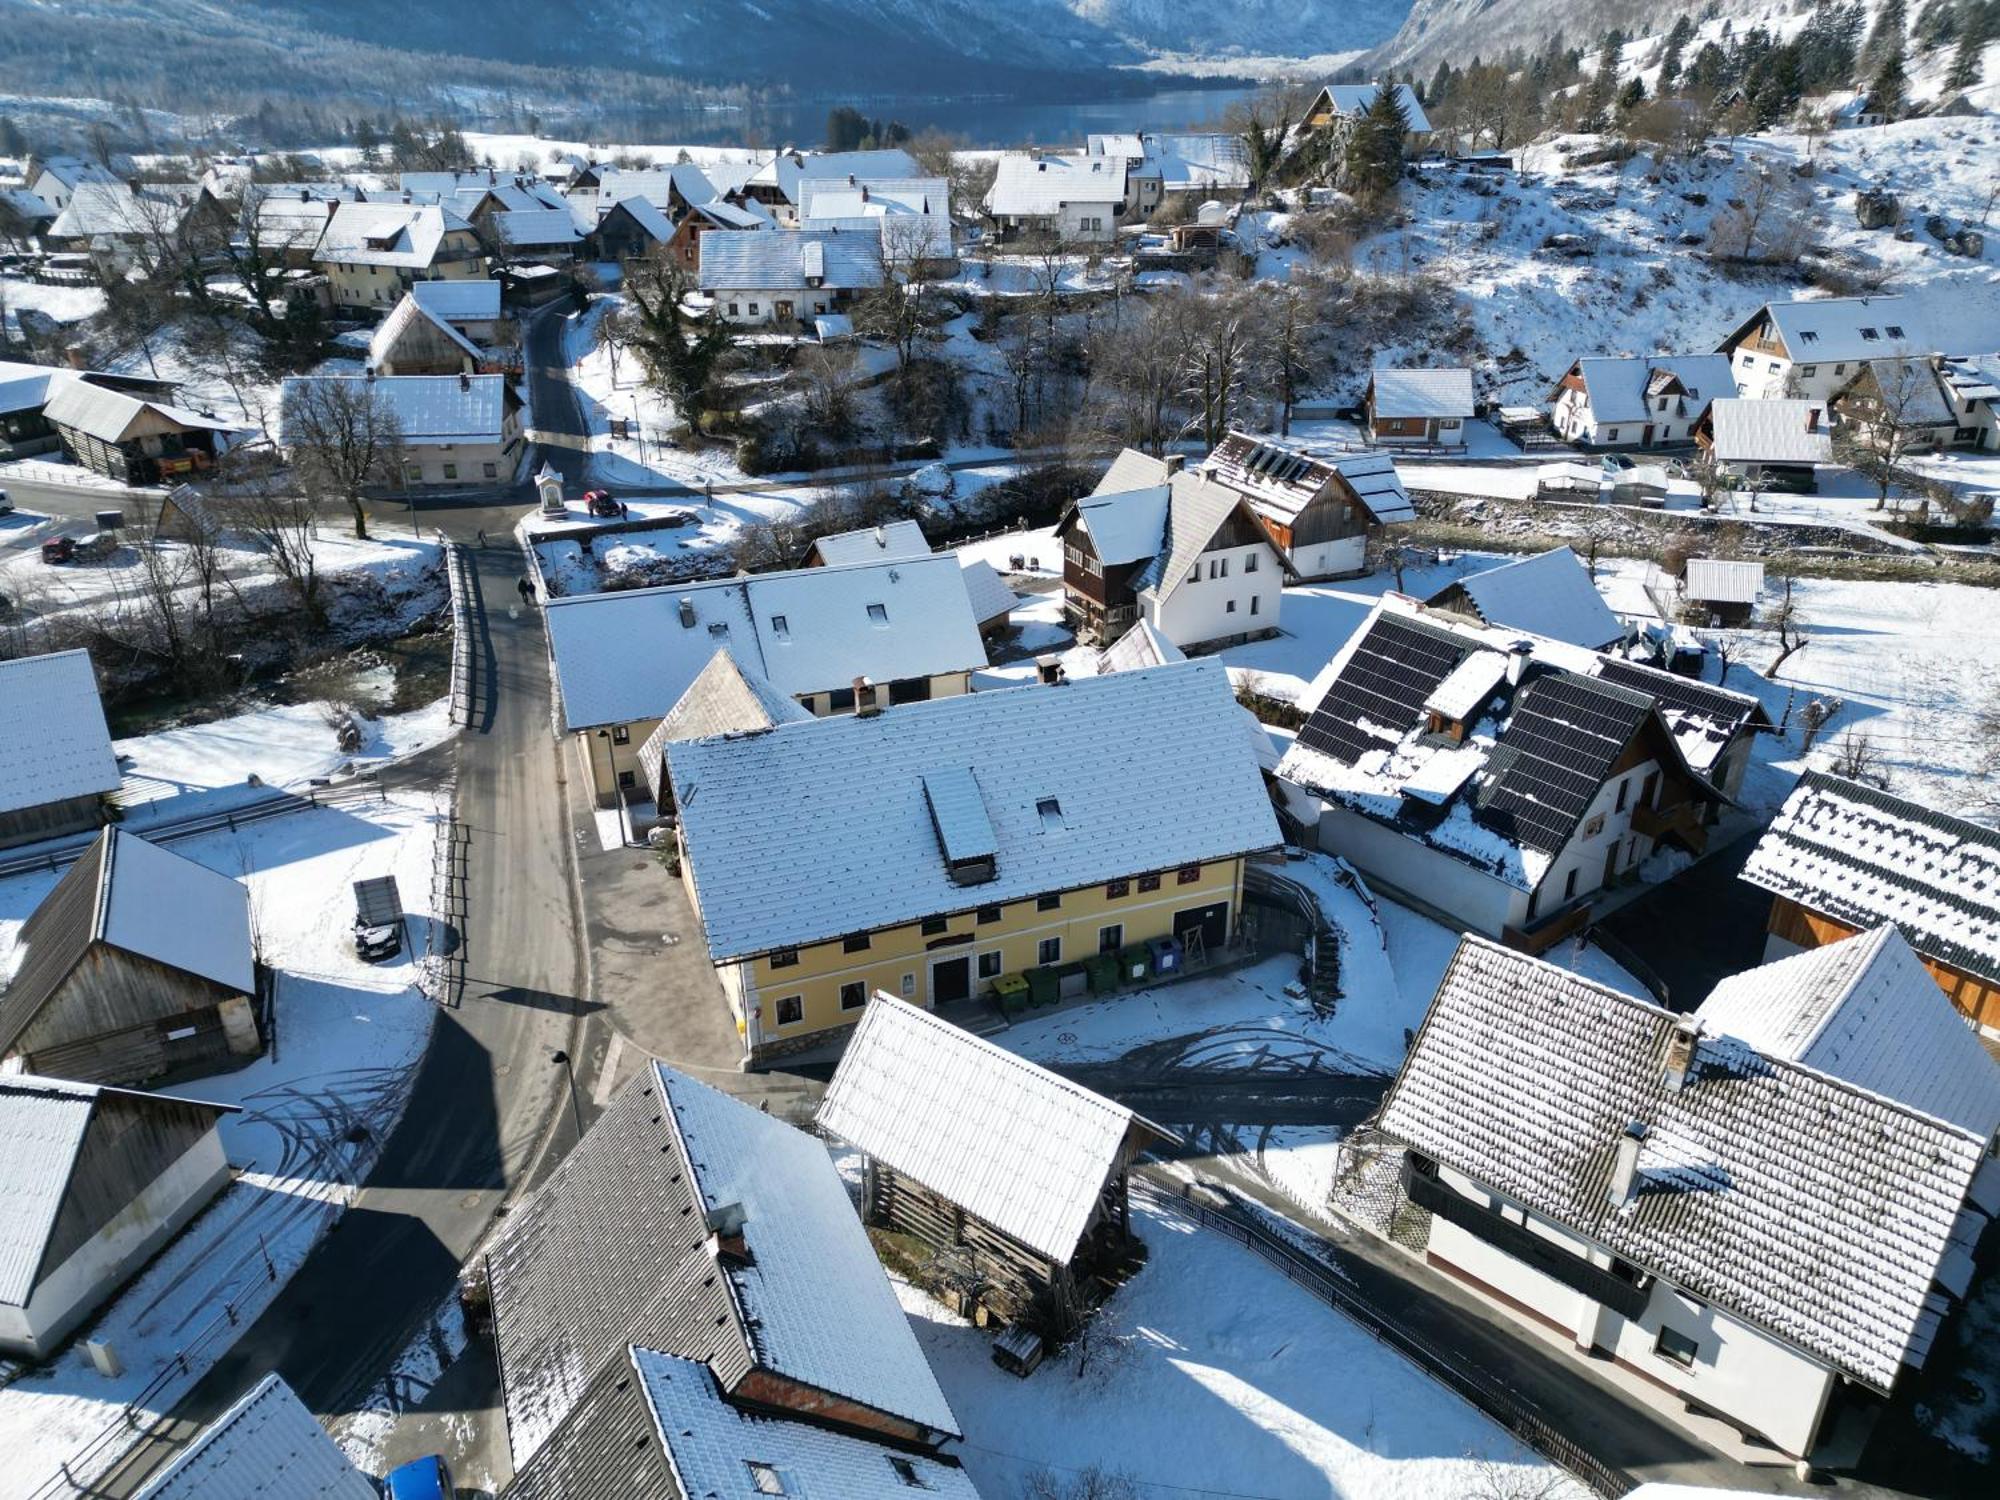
x,y
1273,28
1459,31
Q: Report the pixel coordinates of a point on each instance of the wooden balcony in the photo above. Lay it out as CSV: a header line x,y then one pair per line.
x,y
1539,937
1681,823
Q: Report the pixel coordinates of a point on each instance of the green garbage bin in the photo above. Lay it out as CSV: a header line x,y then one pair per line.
x,y
1134,963
1042,986
1102,971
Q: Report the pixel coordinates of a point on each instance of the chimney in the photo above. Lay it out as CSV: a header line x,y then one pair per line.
x,y
1517,661
881,537
1625,1168
1680,1053
865,706
687,612
725,1235
1175,462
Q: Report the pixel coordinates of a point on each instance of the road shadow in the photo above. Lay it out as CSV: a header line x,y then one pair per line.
x,y
461,1153
539,999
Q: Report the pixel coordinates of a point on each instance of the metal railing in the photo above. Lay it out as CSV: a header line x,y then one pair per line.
x,y
464,632
445,944
1511,1411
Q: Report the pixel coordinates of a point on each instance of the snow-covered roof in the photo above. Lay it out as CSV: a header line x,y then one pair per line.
x,y
1133,470
1866,1010
1202,162
1705,719
1353,100
1197,509
1804,1206
1619,389
1864,857
30,208
1549,594
810,630
1005,1139
1092,781
1281,476
649,216
1816,329
387,234
411,311
1421,393
616,1249
781,260
459,301
889,542
1723,580
988,591
1041,184
109,415
266,1445
54,743
536,227
1115,143
727,215
1974,380
788,169
724,698
1906,392
25,387
1125,527
42,1126
872,197
430,409
114,210
1778,431
1137,649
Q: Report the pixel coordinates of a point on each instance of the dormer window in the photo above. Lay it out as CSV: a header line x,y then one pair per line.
x,y
1870,334
1895,332
1049,809
879,613
1807,336
718,629
765,1478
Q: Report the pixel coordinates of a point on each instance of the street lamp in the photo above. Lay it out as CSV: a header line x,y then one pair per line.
x,y
575,1109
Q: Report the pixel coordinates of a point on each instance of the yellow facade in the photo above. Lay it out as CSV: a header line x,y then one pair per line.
x,y
458,259
781,997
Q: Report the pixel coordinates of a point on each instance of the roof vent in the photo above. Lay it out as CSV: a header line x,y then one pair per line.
x,y
1680,1053
687,612
1625,1166
866,705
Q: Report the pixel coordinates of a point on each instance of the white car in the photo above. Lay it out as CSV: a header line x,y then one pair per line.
x,y
6,505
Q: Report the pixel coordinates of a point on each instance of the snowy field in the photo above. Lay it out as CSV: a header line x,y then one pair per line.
x,y
1210,1373
348,1038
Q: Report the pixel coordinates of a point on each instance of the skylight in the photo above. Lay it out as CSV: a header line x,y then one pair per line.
x,y
718,629
1870,334
1895,331
1051,814
780,628
764,1478
879,613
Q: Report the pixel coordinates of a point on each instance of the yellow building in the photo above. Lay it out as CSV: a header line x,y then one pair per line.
x,y
934,850
372,253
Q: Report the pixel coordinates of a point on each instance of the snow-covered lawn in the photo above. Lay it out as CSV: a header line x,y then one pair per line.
x,y
314,1111
284,746
1209,1372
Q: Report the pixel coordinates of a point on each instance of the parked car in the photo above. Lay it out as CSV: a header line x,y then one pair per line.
x,y
59,549
6,504
600,503
420,1479
378,919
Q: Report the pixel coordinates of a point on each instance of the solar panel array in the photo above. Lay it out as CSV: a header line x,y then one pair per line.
x,y
1565,732
1396,666
1726,711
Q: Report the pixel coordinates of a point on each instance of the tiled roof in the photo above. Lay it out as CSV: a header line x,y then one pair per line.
x,y
1197,509
1041,184
1422,393
889,542
1092,781
1771,432
54,743
1808,1208
1125,526
1865,1010
723,699
265,1447
1003,1138
430,408
615,1249
1864,857
806,630
988,591
781,260
1549,594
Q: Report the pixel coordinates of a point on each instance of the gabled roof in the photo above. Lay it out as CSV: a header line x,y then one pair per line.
x,y
724,698
265,1446
1196,510
1003,1138
1549,594
54,743
1282,477
387,234
888,542
1864,857
1137,649
408,313
429,408
1144,771
1354,100
788,169
1133,470
988,591
110,415
43,1122
1125,526
1041,184
114,210
807,630
1198,162
1816,329
781,260
536,227
1705,719
648,215
1421,393
615,1249
1808,1208
1777,431
1867,1011
1618,388
1907,392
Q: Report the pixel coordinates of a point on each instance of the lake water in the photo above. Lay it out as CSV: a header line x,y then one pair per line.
x,y
979,122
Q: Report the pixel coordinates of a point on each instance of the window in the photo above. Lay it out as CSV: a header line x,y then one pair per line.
x,y
990,965
1624,788
791,1011
1229,608
1148,883
934,925
1255,601
780,628
753,309
1051,813
765,1479
854,942
1111,939
1047,903
840,700
1049,951
878,614
989,914
414,473
1250,563
628,778
1808,371
784,958
1113,889
908,986
1895,330
732,309
492,470
853,995
1195,576
1611,434
1870,335
1840,369
451,471
1674,1345
1187,875
1569,885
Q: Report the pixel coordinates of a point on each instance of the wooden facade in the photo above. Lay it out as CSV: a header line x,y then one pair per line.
x,y
1976,998
48,820
1100,598
130,1141
119,1018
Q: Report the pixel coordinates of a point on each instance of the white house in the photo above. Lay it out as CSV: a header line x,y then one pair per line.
x,y
1776,438
56,179
777,182
1502,780
1715,1215
760,277
1189,557
456,429
1810,347
1071,198
1653,402
910,215
93,1181
1322,507
1974,384
372,253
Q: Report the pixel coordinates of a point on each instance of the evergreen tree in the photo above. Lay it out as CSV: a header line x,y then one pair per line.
x,y
1375,150
1670,56
1887,88
1604,85
1967,59
1887,35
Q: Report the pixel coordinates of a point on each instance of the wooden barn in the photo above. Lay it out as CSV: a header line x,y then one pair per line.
x,y
56,761
138,966
93,1182
1013,1173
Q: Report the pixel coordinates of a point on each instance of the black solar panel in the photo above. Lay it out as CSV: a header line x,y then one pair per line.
x,y
1565,732
1725,711
1397,665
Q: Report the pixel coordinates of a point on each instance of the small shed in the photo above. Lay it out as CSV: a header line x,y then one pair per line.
x,y
1419,406
1725,588
1013,1173
93,1182
137,966
56,761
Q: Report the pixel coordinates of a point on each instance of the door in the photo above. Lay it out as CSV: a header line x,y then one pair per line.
x,y
1212,922
1646,437
1610,864
951,979
785,310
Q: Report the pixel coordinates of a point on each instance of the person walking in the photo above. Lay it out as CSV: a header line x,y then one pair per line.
x,y
526,590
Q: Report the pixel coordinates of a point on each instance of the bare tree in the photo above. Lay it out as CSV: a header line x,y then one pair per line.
x,y
1790,627
1722,646
282,518
1855,759
1814,718
1766,222
1092,1483
894,309
1885,412
344,440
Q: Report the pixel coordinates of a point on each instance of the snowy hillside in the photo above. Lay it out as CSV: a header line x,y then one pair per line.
x,y
1235,28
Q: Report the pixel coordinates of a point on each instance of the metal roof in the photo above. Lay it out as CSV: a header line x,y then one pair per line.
x,y
109,415
1770,432
1040,185
1717,580
265,1447
429,408
1810,1209
991,598
1125,527
1151,770
1006,1140
1421,393
54,743
1550,594
467,301
754,260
